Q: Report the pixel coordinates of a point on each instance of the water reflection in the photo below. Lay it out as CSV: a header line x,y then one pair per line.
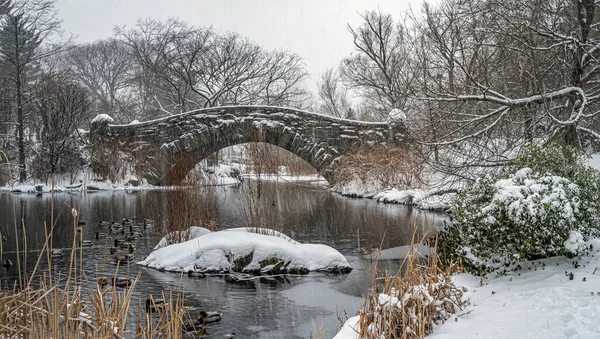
x,y
294,308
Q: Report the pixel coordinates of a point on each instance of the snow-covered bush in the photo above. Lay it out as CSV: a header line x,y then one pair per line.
x,y
537,211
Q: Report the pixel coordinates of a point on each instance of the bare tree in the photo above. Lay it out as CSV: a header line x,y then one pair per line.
x,y
334,98
499,74
193,67
22,31
60,105
106,68
380,70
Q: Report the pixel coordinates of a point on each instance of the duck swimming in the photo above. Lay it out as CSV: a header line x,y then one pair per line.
x,y
209,317
121,282
124,259
155,305
192,274
7,264
102,281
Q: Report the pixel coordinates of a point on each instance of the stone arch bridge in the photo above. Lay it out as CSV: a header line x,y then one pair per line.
x,y
170,147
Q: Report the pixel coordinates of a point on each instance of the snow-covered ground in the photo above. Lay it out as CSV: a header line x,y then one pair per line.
x,y
83,180
541,300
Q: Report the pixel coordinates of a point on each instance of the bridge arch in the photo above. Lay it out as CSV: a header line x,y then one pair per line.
x,y
170,147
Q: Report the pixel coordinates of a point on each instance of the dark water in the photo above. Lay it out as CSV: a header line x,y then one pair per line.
x,y
295,308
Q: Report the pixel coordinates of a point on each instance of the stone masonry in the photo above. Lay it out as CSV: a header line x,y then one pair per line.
x,y
170,147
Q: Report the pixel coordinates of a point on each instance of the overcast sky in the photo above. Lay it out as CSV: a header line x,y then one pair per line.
x,y
315,30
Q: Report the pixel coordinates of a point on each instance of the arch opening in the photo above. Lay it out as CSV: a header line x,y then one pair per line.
x,y
252,158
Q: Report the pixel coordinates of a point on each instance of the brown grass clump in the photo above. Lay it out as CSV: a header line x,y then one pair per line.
x,y
408,304
387,166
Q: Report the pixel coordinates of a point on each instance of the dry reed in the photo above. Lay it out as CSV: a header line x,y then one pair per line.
x,y
408,304
49,305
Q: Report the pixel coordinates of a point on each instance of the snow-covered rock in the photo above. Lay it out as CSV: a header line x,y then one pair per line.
x,y
243,250
102,118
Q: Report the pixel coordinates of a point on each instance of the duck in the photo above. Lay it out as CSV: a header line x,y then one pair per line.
x,y
129,238
131,248
86,243
192,274
112,250
102,281
100,235
78,228
121,282
124,259
229,335
155,305
103,223
81,222
122,243
209,317
7,264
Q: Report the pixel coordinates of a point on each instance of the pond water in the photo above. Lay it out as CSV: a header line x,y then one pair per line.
x,y
294,308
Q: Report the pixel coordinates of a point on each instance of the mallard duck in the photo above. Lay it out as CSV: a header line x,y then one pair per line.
x,y
209,317
102,281
121,282
122,243
192,274
229,335
103,223
112,250
155,305
7,264
78,228
124,259
99,235
86,243
131,248
81,222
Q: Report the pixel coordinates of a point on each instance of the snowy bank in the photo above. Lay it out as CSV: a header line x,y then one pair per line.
x,y
243,250
221,175
557,297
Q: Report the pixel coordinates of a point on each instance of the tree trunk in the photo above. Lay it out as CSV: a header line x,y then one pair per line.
x,y
20,126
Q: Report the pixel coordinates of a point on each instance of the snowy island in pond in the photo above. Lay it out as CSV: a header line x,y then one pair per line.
x,y
249,250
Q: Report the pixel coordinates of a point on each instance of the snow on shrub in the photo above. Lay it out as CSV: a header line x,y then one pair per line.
x,y
527,215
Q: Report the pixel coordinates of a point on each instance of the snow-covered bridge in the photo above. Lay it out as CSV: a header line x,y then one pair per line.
x,y
168,148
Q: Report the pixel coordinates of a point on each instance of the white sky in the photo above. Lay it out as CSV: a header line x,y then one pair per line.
x,y
313,29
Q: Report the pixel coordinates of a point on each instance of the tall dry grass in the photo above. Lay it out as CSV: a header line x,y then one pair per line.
x,y
408,303
65,303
